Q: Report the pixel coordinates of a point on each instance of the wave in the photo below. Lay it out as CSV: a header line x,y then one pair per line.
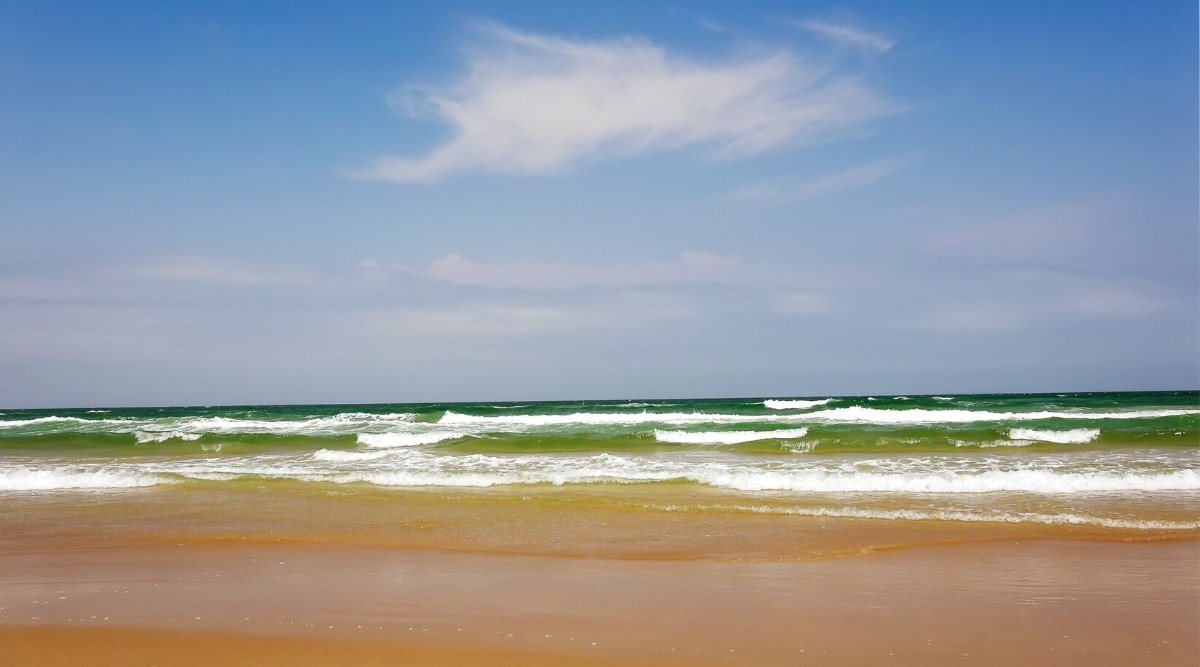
x,y
861,415
146,437
598,419
408,466
1062,518
795,404
343,423
21,423
726,437
1079,436
802,412
1027,481
993,443
159,430
843,415
388,440
340,456
25,479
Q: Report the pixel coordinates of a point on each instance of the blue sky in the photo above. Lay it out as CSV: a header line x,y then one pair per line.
x,y
220,203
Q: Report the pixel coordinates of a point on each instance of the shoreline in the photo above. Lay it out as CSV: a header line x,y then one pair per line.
x,y
1040,601
646,523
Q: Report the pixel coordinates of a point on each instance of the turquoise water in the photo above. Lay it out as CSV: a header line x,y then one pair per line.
x,y
1122,459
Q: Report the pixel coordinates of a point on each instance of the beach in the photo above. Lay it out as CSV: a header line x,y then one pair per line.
x,y
1044,530
470,580
168,594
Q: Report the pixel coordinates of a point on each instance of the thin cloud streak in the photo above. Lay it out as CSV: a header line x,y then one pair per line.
x,y
690,268
849,179
860,39
213,271
536,104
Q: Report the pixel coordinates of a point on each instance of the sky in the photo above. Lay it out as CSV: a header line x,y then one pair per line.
x,y
343,202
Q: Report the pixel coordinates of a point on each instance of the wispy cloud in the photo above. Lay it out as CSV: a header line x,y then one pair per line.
x,y
847,36
542,314
212,271
802,303
689,268
848,179
534,104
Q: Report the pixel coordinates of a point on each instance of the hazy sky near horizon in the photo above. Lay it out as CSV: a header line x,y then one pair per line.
x,y
272,202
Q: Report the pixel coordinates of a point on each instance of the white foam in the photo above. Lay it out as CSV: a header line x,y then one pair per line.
x,y
1077,436
794,404
1072,471
861,415
337,424
338,455
958,515
26,479
147,437
386,440
843,415
598,418
993,443
1028,481
911,475
18,423
726,437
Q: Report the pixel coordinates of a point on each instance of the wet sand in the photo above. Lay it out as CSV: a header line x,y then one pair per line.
x,y
283,575
1045,602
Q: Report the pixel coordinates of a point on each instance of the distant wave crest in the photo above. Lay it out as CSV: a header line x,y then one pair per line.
x,y
726,437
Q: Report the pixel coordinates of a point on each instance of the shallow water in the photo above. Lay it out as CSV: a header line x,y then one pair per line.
x,y
1112,461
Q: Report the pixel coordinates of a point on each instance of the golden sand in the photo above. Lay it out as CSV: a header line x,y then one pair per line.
x,y
1038,602
280,578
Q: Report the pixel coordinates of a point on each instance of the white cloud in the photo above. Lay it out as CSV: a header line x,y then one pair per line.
x,y
532,104
841,34
690,268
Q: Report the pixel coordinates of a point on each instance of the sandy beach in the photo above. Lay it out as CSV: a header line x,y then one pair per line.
x,y
117,583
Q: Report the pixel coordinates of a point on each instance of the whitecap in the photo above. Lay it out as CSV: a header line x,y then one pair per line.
x,y
148,437
984,516
861,415
387,440
726,437
28,479
776,404
1077,436
339,456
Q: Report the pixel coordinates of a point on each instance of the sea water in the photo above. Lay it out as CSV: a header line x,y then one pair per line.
x,y
1128,461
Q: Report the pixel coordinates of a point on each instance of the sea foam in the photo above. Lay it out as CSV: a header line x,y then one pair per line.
x,y
25,479
775,404
1077,436
1063,518
861,415
387,440
726,437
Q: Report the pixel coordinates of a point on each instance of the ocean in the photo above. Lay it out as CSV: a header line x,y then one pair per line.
x,y
1127,462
